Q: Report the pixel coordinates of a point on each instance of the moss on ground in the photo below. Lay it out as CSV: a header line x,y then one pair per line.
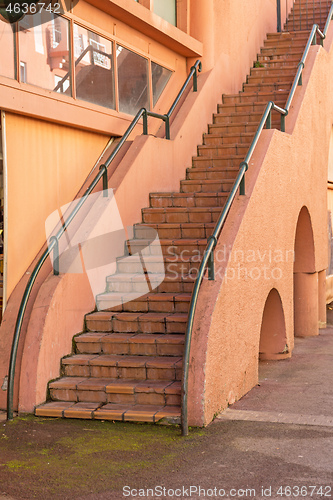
x,y
66,458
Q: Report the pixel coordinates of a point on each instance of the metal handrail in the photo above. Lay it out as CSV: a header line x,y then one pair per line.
x,y
90,48
53,244
208,256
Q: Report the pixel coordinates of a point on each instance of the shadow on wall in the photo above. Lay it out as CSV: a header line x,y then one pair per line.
x,y
273,337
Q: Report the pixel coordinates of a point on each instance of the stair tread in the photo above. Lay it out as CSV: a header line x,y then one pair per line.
x,y
122,386
103,315
109,411
122,360
153,297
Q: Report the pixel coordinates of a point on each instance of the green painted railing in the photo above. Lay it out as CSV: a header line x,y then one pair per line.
x,y
53,244
208,256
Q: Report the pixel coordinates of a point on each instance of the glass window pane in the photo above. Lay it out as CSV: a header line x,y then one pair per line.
x,y
160,77
132,81
44,51
93,68
166,9
7,50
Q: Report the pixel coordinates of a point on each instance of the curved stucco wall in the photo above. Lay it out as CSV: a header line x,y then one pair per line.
x,y
288,171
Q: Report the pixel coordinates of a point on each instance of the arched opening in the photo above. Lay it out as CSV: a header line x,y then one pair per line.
x,y
305,279
273,338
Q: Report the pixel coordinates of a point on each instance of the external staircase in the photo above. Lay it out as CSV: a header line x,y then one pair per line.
x,y
127,365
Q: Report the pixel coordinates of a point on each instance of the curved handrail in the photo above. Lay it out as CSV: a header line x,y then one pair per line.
x,y
208,256
53,244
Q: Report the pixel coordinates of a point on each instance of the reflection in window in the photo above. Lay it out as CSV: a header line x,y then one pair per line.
x,y
44,48
93,68
160,77
23,72
133,86
166,9
7,50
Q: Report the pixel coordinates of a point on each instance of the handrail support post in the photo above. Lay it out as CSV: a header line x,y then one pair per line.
x,y
145,122
55,255
242,182
269,120
105,180
211,262
167,127
195,79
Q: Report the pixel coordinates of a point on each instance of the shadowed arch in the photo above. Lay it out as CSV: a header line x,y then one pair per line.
x,y
305,278
273,338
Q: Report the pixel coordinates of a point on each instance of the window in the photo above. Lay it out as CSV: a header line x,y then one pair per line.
x,y
7,54
160,77
44,48
44,51
133,86
167,9
94,74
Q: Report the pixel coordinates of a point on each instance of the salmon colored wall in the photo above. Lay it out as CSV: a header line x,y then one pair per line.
x,y
288,171
46,166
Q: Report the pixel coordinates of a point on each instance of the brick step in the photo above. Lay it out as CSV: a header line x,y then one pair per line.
x,y
228,161
282,51
137,283
175,230
309,16
227,149
211,173
110,411
277,60
118,391
232,129
302,24
212,138
130,343
257,107
285,42
254,97
311,7
168,246
262,72
156,264
159,200
245,117
258,79
123,367
153,302
180,215
288,35
119,322
211,185
262,88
